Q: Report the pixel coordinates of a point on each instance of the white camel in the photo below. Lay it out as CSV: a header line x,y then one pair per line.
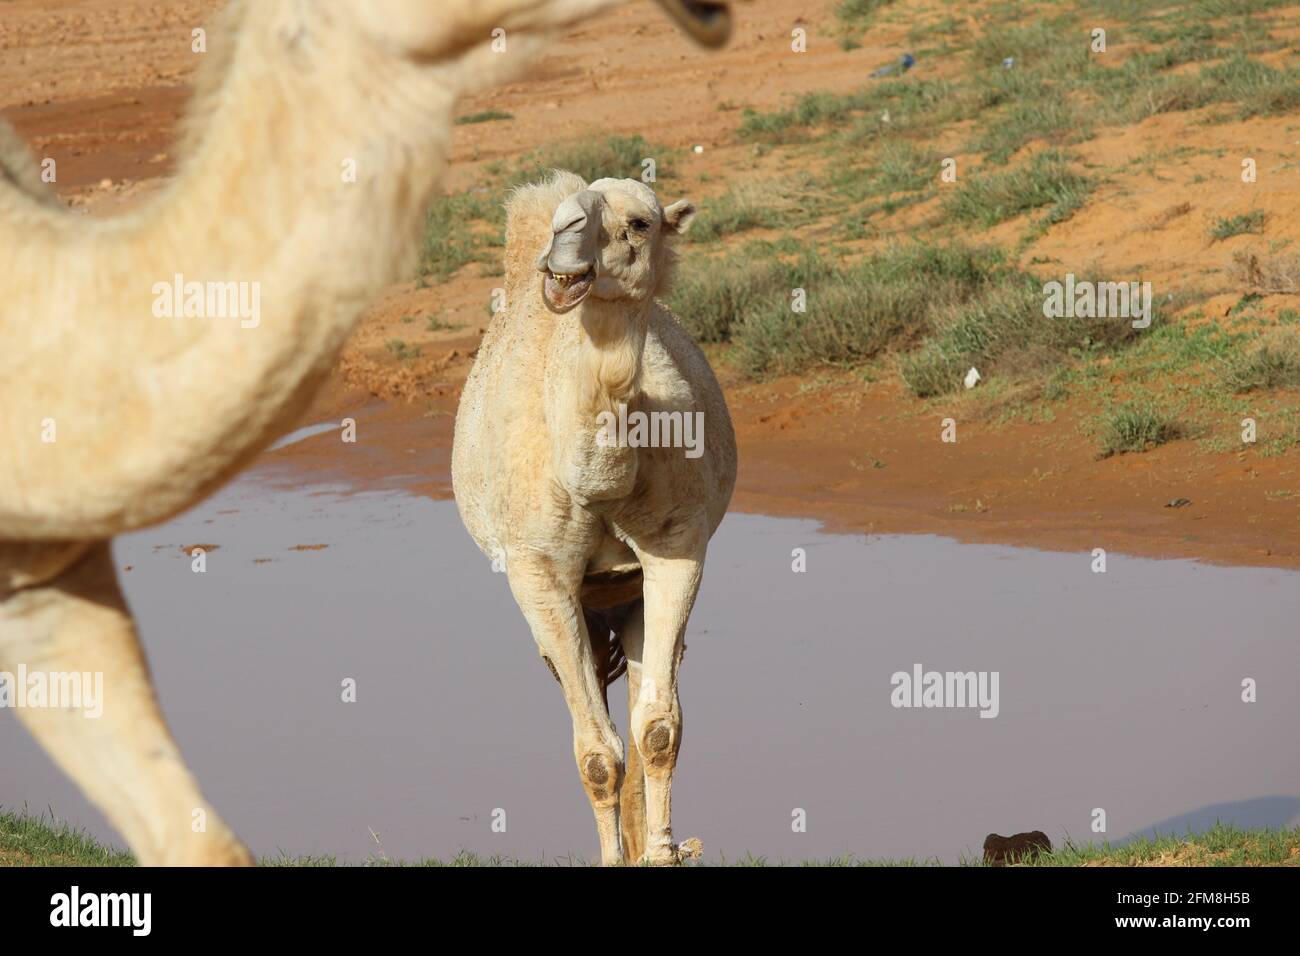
x,y
316,139
580,462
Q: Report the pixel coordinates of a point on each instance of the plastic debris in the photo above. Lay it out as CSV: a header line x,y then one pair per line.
x,y
973,377
902,66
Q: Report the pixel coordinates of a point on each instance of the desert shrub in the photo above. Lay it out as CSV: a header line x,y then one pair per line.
x,y
1135,427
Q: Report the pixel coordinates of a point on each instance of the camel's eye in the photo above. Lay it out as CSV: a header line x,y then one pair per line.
x,y
640,225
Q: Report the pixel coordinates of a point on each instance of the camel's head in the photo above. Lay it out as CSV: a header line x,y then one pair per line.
x,y
611,240
431,29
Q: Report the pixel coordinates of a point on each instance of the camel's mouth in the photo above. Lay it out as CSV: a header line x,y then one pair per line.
x,y
563,292
707,21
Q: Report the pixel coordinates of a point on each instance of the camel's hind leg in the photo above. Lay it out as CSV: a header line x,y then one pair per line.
x,y
632,800
123,758
550,605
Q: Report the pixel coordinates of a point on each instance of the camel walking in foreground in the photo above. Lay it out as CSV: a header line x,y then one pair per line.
x,y
120,405
594,456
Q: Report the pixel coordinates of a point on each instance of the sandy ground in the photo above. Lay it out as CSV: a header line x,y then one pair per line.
x,y
100,84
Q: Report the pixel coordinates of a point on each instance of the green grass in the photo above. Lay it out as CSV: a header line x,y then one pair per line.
x,y
755,204
1057,90
454,233
810,110
1251,223
1256,88
905,167
986,199
1048,116
857,13
1272,365
487,116
1003,332
1222,845
402,351
853,312
40,841
713,297
1136,426
914,104
941,307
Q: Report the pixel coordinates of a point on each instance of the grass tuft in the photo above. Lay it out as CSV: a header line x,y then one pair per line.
x,y
1136,427
487,116
987,199
1251,223
755,204
39,841
1274,364
858,13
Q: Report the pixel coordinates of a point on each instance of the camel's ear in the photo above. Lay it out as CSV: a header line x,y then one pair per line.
x,y
679,216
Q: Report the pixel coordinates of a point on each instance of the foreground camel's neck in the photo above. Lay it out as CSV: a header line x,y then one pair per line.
x,y
309,169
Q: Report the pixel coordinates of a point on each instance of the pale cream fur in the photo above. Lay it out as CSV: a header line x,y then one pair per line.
x,y
537,489
152,414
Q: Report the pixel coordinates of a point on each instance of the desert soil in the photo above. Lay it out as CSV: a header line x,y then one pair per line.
x,y
100,85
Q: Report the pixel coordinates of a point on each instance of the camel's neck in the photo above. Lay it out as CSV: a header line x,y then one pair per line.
x,y
302,196
310,177
591,395
612,339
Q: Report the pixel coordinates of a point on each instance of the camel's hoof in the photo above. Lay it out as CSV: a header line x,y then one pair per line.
x,y
220,848
678,854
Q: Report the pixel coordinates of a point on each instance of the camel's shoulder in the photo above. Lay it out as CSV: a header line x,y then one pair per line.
x,y
668,343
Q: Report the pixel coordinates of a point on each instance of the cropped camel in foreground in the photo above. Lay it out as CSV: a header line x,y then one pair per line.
x,y
595,457
115,414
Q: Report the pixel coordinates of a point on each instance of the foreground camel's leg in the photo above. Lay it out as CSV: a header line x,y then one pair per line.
x,y
632,799
124,759
671,584
551,608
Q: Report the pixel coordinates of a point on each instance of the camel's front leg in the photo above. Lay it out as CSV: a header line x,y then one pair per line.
x,y
116,747
671,583
550,605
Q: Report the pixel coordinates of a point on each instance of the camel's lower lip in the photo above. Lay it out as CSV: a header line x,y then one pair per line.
x,y
707,21
564,292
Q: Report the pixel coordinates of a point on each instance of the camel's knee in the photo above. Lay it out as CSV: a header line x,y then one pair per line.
x,y
601,769
659,736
